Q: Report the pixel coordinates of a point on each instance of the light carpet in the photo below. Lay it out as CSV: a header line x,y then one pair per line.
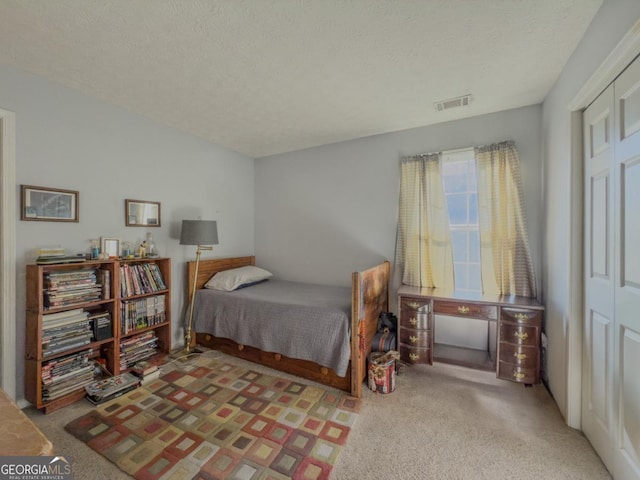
x,y
211,419
442,422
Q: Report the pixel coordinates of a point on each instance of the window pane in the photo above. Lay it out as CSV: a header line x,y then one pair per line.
x,y
460,276
474,246
459,245
460,184
455,183
457,205
474,278
473,209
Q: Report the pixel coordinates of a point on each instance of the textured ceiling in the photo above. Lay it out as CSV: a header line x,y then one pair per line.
x,y
268,76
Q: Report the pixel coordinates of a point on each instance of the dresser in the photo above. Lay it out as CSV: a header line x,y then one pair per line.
x,y
508,339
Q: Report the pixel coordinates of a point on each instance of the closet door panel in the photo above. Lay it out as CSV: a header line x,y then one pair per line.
x,y
629,447
627,266
630,225
598,339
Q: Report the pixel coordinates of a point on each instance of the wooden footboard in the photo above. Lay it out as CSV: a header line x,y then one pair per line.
x,y
369,297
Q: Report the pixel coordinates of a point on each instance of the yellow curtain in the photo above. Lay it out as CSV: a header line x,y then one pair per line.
x,y
504,246
423,243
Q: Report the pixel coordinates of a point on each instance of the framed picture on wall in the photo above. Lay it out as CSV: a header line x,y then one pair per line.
x,y
141,213
49,204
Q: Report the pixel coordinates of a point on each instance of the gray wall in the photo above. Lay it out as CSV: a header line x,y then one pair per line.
x,y
324,212
612,21
67,140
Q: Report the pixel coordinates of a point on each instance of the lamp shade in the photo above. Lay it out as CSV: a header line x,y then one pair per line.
x,y
199,232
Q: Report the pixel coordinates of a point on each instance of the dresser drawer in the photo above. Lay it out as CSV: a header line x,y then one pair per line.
x,y
463,309
415,338
523,316
519,355
409,354
519,334
414,320
517,374
415,304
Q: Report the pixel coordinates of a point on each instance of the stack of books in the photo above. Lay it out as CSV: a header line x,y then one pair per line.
x,y
146,371
142,313
111,387
48,256
51,260
66,374
64,331
136,348
138,279
71,287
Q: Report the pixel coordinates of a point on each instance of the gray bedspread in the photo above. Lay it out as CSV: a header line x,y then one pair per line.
x,y
299,320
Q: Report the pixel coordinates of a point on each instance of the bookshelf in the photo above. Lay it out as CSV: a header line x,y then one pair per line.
x,y
97,315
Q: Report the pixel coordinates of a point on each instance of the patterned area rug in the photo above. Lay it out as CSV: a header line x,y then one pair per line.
x,y
209,419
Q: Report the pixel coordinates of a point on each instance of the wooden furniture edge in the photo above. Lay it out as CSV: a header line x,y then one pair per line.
x,y
369,297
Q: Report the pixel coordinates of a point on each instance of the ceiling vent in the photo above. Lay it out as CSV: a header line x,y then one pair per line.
x,y
462,101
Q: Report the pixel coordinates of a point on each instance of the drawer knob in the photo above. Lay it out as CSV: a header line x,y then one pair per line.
x,y
520,356
413,321
463,309
414,356
413,339
414,305
521,316
518,375
522,336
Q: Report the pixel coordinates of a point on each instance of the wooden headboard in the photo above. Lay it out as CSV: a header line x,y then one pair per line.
x,y
208,267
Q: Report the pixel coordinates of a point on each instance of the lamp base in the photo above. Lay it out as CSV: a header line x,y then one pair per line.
x,y
185,353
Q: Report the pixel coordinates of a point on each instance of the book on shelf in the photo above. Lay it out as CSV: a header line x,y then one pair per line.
x,y
71,287
101,325
139,279
51,252
141,313
53,259
104,279
66,374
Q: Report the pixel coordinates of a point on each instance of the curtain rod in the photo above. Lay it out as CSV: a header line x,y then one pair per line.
x,y
455,150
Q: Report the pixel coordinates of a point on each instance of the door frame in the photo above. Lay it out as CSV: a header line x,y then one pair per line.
x,y
8,350
620,57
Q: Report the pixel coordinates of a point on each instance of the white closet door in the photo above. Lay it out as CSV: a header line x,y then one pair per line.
x,y
598,337
627,281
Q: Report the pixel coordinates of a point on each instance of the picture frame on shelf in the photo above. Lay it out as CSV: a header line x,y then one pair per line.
x,y
110,247
49,204
141,213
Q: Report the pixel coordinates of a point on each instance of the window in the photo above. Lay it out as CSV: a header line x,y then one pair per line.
x,y
461,192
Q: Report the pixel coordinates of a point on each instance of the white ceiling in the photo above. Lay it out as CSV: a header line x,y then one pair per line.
x,y
263,77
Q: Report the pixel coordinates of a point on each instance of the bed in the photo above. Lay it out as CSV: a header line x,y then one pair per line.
x,y
367,297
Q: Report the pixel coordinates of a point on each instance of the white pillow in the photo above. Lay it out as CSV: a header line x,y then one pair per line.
x,y
235,278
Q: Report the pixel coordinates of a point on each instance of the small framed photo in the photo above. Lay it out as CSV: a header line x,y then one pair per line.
x,y
49,204
141,213
110,247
